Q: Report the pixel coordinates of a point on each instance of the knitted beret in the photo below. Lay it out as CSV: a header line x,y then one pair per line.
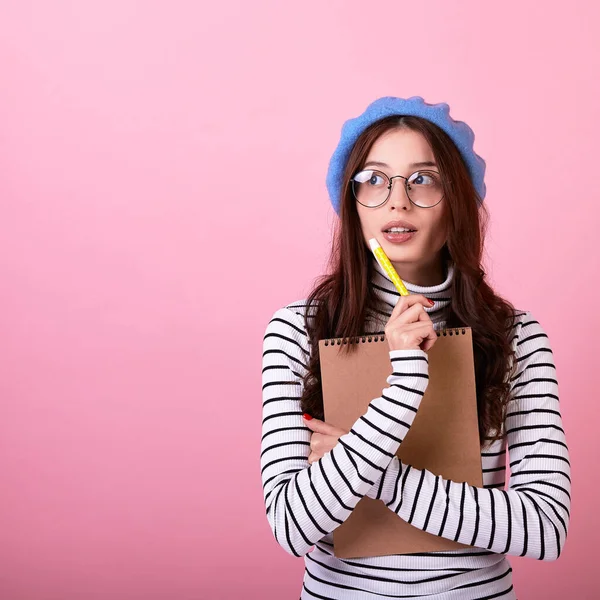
x,y
460,133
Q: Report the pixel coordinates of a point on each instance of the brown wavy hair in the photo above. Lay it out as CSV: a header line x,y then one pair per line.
x,y
343,298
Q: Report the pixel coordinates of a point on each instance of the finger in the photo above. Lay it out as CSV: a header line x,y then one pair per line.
x,y
322,427
399,308
432,338
322,443
316,441
414,326
424,332
405,302
415,313
419,333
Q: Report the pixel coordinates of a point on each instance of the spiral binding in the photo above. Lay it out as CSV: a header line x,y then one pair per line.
x,y
380,337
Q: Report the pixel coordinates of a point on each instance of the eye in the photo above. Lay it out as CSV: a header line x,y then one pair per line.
x,y
426,178
370,178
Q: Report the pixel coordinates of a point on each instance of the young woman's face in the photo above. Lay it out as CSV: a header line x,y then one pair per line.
x,y
399,152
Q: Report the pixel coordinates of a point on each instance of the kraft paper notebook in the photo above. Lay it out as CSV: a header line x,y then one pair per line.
x,y
444,436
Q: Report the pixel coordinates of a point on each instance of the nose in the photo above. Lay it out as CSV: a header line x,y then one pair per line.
x,y
398,196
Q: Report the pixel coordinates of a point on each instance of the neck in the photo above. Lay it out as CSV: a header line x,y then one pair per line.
x,y
440,292
422,274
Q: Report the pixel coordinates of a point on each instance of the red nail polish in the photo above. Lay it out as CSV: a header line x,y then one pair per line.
x,y
306,416
431,301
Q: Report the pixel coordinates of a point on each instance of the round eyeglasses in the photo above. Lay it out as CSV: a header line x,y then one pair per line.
x,y
372,188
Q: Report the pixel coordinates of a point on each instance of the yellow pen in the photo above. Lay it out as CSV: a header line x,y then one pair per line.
x,y
385,263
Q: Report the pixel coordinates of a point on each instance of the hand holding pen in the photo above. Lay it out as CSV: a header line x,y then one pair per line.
x,y
409,326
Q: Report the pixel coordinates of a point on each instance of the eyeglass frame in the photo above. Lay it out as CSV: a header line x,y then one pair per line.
x,y
390,185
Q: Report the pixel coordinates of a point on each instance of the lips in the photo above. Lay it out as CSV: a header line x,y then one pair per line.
x,y
404,224
399,238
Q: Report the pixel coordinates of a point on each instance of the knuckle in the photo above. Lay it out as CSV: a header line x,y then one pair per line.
x,y
406,338
401,304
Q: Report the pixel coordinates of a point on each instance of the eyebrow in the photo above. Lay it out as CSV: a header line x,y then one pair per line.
x,y
415,165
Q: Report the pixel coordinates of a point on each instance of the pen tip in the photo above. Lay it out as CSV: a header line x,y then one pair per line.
x,y
373,243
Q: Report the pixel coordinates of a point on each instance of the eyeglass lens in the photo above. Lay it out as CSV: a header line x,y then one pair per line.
x,y
372,188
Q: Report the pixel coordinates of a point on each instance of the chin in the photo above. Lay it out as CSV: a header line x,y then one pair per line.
x,y
399,255
405,257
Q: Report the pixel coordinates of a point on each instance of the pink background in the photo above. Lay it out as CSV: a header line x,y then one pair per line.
x,y
163,193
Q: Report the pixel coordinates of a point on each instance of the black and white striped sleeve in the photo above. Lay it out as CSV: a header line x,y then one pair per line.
x,y
531,518
306,502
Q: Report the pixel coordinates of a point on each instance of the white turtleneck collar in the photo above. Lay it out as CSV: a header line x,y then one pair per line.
x,y
441,294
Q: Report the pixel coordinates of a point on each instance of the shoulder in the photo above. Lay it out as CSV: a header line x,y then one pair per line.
x,y
289,324
530,343
286,341
526,328
301,308
295,315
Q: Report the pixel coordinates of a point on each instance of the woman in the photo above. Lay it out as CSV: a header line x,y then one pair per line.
x,y
405,173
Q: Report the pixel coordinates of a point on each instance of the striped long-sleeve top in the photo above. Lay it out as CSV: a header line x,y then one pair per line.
x,y
306,503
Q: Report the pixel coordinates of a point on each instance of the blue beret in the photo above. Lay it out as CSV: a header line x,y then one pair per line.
x,y
460,133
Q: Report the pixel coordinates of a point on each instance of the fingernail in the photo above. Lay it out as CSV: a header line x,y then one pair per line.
x,y
431,301
306,416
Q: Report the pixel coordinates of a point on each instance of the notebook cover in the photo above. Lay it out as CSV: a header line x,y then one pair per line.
x,y
444,436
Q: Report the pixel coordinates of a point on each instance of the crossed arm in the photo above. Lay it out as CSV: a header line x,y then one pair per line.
x,y
531,518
